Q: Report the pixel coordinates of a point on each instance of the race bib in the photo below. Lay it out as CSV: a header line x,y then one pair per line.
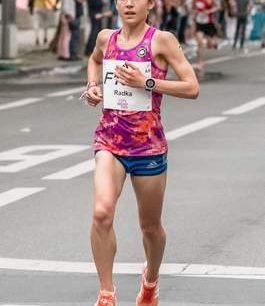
x,y
202,18
121,97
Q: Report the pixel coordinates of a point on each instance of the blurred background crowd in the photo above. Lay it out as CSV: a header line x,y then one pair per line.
x,y
191,21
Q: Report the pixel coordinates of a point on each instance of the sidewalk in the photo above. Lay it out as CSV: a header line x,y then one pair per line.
x,y
35,59
32,59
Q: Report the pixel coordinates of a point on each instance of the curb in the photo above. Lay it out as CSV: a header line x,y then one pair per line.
x,y
22,71
18,70
22,66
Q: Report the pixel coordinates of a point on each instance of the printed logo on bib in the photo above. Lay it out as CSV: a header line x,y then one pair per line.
x,y
123,104
141,52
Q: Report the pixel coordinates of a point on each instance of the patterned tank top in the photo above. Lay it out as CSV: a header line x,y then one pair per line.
x,y
133,133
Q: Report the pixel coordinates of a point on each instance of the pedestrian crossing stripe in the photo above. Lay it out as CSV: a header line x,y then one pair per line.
x,y
169,269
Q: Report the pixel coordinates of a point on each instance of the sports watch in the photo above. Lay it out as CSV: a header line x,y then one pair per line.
x,y
150,84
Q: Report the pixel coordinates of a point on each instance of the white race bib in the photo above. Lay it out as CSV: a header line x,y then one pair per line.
x,y
121,97
202,18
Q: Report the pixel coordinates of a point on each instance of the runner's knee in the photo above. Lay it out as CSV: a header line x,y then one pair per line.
x,y
103,216
152,229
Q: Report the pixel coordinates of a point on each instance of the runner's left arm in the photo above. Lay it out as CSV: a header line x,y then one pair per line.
x,y
186,85
167,46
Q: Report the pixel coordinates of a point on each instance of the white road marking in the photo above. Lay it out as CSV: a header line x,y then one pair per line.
x,y
228,58
219,60
194,270
89,165
247,107
69,98
253,53
72,172
193,127
29,156
16,194
66,92
25,130
20,103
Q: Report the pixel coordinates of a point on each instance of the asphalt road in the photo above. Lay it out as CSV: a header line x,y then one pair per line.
x,y
214,211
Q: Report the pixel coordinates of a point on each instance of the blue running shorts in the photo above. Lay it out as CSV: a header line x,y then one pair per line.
x,y
143,165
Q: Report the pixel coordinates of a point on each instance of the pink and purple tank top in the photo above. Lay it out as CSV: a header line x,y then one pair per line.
x,y
133,133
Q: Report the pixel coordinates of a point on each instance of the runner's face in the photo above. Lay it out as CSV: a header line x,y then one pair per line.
x,y
134,11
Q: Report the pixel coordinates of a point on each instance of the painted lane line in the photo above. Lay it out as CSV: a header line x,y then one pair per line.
x,y
89,165
66,92
16,194
219,60
29,156
20,103
253,53
229,58
193,127
72,172
247,107
194,270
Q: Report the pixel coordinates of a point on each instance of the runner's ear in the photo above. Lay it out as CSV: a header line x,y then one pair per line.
x,y
151,5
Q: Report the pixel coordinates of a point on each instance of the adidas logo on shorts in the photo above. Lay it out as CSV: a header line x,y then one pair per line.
x,y
153,164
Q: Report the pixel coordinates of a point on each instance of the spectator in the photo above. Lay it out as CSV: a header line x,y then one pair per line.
x,y
243,8
169,17
221,19
110,12
95,8
115,14
230,18
263,27
183,11
67,16
75,30
40,9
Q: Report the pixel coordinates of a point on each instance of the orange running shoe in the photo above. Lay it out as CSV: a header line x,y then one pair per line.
x,y
106,298
149,292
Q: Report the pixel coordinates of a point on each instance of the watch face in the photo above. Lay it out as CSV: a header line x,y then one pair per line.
x,y
150,83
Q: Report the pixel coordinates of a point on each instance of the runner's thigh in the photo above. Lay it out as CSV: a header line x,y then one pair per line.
x,y
149,192
109,177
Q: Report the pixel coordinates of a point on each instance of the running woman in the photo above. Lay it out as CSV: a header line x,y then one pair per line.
x,y
204,13
133,141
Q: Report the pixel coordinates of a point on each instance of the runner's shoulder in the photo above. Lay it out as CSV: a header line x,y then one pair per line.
x,y
104,36
164,39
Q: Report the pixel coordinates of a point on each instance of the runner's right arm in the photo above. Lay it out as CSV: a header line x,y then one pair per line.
x,y
94,68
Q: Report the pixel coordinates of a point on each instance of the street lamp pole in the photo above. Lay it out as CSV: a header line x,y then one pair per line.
x,y
8,25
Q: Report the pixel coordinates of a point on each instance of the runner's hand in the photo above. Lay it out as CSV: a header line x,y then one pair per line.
x,y
130,75
93,95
